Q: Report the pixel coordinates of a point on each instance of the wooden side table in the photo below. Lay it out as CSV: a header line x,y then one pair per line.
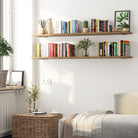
x,y
35,126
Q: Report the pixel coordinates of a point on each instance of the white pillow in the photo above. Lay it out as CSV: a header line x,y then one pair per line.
x,y
126,103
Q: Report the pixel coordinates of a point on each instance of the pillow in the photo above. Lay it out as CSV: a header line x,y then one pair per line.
x,y
126,103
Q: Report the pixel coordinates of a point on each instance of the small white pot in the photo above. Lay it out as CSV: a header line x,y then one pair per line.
x,y
125,29
85,30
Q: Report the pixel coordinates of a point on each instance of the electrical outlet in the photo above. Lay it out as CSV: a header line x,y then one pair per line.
x,y
47,81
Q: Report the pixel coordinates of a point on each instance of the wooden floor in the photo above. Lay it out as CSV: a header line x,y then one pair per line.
x,y
7,137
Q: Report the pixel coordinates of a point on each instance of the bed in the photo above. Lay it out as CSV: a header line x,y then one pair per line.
x,y
122,124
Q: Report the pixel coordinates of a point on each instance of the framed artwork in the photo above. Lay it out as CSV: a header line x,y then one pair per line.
x,y
17,78
122,19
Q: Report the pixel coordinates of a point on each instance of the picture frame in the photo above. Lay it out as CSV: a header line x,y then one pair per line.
x,y
17,78
122,20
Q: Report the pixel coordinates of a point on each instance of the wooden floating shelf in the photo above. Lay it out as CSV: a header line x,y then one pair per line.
x,y
12,88
93,57
81,34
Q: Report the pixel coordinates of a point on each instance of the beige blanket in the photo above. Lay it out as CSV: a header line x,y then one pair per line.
x,y
88,123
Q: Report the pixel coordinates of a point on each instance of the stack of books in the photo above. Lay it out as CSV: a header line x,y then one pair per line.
x,y
121,48
72,26
56,50
62,50
100,25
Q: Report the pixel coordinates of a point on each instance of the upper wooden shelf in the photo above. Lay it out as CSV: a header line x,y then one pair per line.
x,y
93,57
81,34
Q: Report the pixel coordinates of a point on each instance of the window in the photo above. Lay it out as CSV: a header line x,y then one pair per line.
x,y
1,26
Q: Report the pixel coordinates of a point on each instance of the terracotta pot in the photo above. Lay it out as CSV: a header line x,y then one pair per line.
x,y
85,30
125,29
42,31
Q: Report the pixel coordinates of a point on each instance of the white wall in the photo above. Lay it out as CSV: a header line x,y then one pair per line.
x,y
22,42
78,85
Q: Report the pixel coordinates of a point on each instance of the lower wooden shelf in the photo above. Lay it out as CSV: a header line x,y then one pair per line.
x,y
93,57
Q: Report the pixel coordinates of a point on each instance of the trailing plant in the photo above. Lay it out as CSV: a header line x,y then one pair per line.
x,y
5,48
42,23
85,44
85,24
33,95
122,20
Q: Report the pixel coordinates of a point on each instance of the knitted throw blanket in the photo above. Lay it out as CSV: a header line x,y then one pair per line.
x,y
88,123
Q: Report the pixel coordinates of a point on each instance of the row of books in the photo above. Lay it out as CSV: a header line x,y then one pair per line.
x,y
121,48
56,50
72,26
101,25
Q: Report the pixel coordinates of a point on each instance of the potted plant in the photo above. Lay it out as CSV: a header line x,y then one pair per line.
x,y
43,26
122,19
33,93
85,44
85,27
5,50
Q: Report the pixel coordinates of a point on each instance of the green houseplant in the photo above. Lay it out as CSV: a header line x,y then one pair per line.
x,y
85,44
85,27
33,95
43,26
122,19
5,50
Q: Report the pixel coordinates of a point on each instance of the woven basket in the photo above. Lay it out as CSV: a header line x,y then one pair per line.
x,y
35,126
3,77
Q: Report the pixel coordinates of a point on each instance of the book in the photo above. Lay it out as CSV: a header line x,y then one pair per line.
x,y
106,48
72,50
61,50
115,49
101,25
70,26
68,50
38,49
51,50
101,48
62,27
127,48
104,25
55,50
122,47
43,50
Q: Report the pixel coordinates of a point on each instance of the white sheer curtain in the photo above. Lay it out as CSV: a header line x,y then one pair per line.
x,y
7,34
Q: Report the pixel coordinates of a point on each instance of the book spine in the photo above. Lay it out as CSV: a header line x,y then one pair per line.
x,y
115,49
96,25
62,27
61,50
109,45
72,50
98,49
51,50
101,49
70,26
104,26
103,54
68,50
38,50
122,49
55,50
75,26
127,48
58,50
106,48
